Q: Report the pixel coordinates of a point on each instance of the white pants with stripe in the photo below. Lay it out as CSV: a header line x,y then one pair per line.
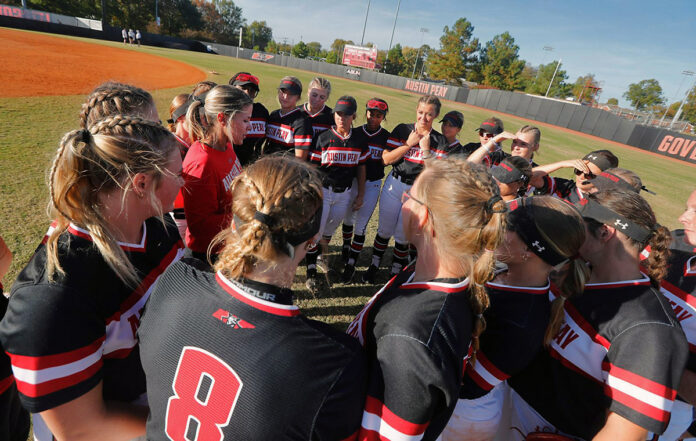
x,y
360,218
477,419
527,420
390,209
333,210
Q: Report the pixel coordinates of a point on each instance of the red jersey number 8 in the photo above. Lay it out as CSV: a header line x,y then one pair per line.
x,y
205,393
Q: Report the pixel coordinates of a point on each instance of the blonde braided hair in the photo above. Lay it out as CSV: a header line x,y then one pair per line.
x,y
112,98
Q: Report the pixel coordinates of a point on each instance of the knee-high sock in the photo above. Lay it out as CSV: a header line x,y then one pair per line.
x,y
347,235
355,247
378,249
400,257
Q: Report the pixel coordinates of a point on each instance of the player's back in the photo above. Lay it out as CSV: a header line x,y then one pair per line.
x,y
232,360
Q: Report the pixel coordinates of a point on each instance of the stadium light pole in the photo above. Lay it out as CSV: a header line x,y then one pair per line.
x,y
415,63
398,5
688,73
362,39
676,95
554,76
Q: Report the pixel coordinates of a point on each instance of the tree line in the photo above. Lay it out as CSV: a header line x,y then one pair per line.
x,y
461,58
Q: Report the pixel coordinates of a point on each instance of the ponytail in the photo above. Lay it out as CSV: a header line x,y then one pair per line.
x,y
656,264
575,275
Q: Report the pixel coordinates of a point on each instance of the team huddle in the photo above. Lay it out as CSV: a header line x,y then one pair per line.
x,y
519,306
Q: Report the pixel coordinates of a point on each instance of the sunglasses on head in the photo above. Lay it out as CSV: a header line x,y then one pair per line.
x,y
247,77
374,104
589,175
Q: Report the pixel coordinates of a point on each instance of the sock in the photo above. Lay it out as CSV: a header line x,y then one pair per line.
x,y
347,235
378,249
356,247
400,257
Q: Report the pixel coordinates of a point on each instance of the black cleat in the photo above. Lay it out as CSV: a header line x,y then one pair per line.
x,y
348,273
369,274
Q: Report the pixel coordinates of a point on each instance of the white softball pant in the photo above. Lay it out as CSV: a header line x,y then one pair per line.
x,y
477,419
334,210
390,209
360,218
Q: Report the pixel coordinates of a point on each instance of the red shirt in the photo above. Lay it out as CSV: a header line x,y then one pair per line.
x,y
208,176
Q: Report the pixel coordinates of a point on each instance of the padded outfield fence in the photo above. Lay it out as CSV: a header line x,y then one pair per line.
x,y
584,119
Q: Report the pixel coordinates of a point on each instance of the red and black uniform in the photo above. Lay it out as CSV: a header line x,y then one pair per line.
x,y
416,335
410,165
515,324
287,132
565,189
250,149
266,371
375,142
64,337
619,350
178,213
320,121
208,175
14,419
338,157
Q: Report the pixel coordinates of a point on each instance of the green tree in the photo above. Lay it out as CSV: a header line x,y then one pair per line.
x,y
257,34
688,110
540,82
458,53
314,49
332,57
613,101
501,66
583,89
78,8
221,19
395,63
177,15
130,13
412,56
300,50
644,94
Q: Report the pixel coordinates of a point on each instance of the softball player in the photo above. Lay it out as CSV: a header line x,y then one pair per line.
x,y
408,146
340,153
287,129
356,221
319,115
250,149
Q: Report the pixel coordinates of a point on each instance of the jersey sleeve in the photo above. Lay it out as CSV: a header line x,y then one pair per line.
x,y
14,419
55,340
407,385
340,414
398,137
303,132
642,369
315,149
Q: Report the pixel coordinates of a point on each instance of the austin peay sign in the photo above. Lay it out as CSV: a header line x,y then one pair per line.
x,y
424,88
679,146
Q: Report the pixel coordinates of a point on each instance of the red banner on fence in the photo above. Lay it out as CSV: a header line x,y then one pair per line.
x,y
360,56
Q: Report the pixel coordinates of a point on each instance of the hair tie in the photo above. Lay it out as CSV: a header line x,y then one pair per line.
x,y
642,187
86,136
491,202
263,218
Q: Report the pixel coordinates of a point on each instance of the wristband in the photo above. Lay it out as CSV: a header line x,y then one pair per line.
x,y
429,154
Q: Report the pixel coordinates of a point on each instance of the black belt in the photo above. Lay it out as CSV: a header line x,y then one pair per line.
x,y
337,188
407,181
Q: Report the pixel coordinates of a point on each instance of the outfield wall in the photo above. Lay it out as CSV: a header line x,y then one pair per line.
x,y
573,116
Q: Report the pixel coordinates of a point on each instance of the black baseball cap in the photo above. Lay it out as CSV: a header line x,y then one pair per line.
x,y
292,85
507,173
455,118
602,159
492,126
245,78
607,181
347,105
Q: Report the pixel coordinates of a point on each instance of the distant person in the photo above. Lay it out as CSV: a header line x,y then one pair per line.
x,y
138,36
124,34
250,149
131,36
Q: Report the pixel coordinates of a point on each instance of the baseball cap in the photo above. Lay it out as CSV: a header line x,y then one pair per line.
x,y
608,181
506,173
291,85
245,78
602,159
347,105
492,125
455,118
377,104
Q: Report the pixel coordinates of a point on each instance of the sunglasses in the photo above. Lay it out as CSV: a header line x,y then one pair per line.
x,y
374,104
485,134
407,195
247,77
589,175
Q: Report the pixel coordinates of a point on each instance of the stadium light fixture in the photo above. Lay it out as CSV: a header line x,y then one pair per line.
x,y
688,73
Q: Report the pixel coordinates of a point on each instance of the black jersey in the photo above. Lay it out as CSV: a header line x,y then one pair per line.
x,y
515,324
376,142
287,132
619,350
565,189
320,121
411,164
338,157
680,289
253,141
14,419
65,336
470,147
416,335
266,372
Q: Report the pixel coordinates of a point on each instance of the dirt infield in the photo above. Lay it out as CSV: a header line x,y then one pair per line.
x,y
75,68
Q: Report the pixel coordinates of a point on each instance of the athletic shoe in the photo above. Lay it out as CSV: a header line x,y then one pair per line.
x,y
348,273
312,285
345,253
369,274
322,264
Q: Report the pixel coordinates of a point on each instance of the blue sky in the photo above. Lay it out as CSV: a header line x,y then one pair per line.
x,y
620,41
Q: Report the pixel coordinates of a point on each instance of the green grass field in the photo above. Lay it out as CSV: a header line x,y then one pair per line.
x,y
32,127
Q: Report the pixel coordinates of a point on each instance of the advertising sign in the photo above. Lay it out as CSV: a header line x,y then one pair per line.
x,y
359,56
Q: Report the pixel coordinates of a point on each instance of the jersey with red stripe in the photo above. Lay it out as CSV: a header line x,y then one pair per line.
x,y
14,419
680,289
375,142
238,360
416,335
562,188
338,157
254,138
65,336
620,349
411,164
515,324
286,132
320,121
